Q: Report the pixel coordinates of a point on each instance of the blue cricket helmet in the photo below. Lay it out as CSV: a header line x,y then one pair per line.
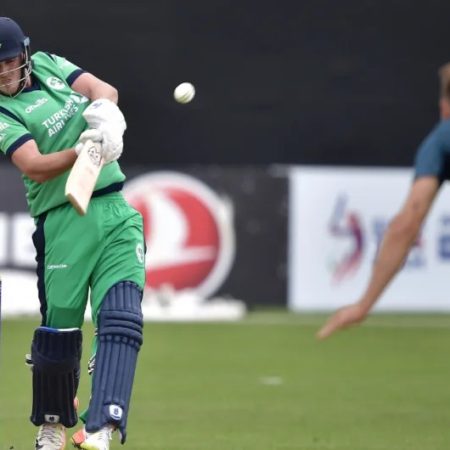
x,y
13,41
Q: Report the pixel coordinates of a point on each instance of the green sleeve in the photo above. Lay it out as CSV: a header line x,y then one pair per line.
x,y
68,69
12,134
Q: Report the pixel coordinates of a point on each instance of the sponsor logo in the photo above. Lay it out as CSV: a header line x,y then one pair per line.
x,y
345,226
188,229
444,239
3,127
140,254
36,104
94,155
351,240
55,83
78,98
115,412
63,63
51,418
96,104
57,266
57,121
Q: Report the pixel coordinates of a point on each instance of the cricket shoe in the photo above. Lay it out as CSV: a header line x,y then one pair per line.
x,y
51,436
98,440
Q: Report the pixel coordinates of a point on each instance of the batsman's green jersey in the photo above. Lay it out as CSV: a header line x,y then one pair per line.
x,y
49,112
75,254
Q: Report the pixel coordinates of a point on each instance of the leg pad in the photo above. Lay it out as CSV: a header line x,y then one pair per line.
x,y
119,340
55,355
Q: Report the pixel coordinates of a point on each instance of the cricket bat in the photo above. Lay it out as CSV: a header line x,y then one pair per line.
x,y
83,176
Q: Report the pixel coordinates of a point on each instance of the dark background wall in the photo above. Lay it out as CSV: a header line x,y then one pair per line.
x,y
317,81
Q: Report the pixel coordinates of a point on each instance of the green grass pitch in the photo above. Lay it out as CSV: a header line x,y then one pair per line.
x,y
266,384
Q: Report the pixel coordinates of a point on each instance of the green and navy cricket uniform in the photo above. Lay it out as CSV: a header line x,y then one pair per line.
x,y
74,253
433,155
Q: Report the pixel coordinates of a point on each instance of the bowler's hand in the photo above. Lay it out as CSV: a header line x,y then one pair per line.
x,y
343,318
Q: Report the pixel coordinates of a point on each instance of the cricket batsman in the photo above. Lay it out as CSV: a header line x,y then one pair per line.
x,y
44,100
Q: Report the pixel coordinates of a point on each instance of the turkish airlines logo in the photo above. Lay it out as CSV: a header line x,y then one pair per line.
x,y
188,230
78,98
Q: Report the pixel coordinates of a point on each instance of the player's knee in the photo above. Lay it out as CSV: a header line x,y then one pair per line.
x,y
121,314
62,317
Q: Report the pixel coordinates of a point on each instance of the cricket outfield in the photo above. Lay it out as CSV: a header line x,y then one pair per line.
x,y
265,383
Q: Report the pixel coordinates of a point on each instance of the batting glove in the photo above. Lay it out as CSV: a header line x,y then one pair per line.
x,y
112,144
105,116
90,134
104,113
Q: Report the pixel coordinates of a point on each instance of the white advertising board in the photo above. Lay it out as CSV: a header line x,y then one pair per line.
x,y
337,219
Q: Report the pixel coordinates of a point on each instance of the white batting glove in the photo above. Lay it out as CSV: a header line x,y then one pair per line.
x,y
112,144
90,134
105,113
105,116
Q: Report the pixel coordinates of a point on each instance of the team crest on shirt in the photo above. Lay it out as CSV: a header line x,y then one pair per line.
x,y
55,83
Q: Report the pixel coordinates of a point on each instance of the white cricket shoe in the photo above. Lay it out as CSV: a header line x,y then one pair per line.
x,y
51,436
94,441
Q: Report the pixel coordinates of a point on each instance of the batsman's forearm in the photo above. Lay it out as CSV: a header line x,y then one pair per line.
x,y
46,167
391,256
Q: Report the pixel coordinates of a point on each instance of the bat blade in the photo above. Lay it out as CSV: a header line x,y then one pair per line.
x,y
83,176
